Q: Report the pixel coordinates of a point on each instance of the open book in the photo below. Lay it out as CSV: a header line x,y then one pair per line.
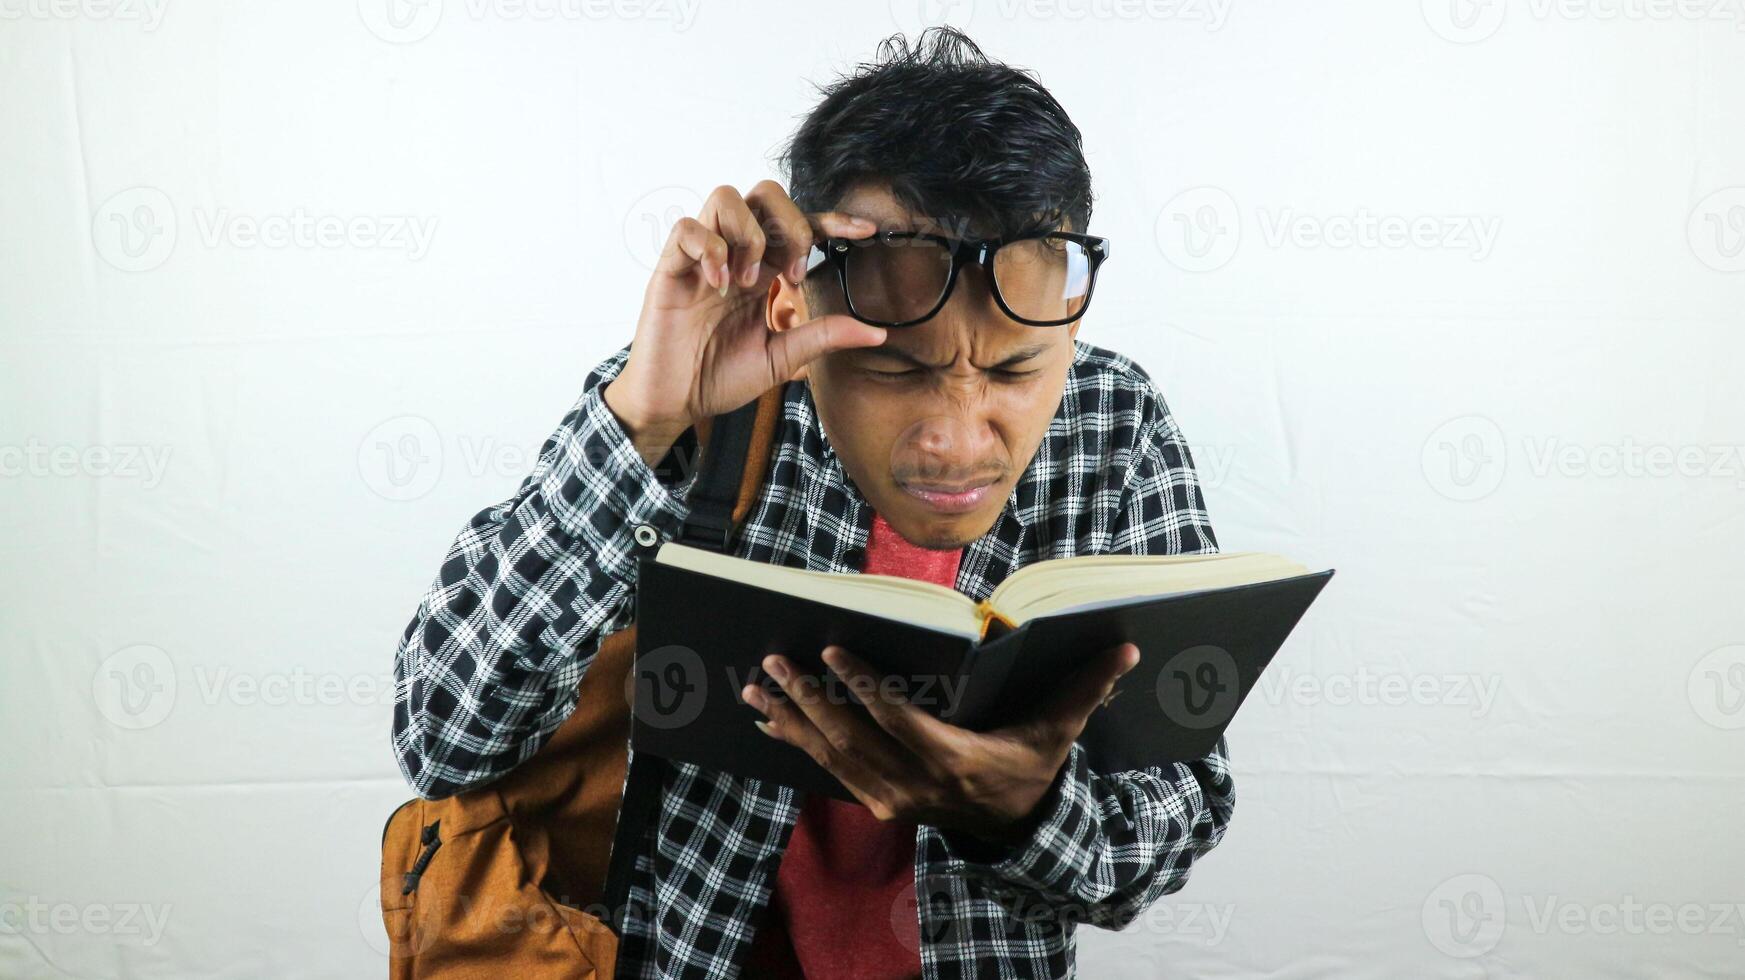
x,y
1049,588
1206,627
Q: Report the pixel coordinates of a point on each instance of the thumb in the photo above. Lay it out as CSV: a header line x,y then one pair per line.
x,y
793,349
1086,688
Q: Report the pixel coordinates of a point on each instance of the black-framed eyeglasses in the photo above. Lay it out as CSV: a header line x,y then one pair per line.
x,y
901,278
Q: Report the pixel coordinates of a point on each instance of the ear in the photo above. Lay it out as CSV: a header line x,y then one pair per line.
x,y
784,309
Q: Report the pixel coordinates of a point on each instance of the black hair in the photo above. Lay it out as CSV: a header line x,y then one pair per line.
x,y
954,135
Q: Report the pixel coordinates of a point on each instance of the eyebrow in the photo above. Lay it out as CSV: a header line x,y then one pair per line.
x,y
1018,356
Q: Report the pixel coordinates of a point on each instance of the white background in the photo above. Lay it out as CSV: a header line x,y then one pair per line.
x,y
1448,297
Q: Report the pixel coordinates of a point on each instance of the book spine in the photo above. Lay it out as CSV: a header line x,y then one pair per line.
x,y
988,614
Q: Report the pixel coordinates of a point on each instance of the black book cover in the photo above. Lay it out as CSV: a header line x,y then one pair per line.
x,y
700,639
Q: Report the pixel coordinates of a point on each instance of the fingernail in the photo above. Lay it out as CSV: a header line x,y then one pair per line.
x,y
723,290
777,669
763,726
749,276
726,276
797,271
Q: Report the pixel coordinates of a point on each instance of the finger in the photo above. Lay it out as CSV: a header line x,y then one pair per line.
x,y
790,350
912,727
846,731
1086,688
787,232
692,247
787,723
727,213
840,224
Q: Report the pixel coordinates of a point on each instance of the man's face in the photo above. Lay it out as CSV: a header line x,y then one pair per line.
x,y
936,425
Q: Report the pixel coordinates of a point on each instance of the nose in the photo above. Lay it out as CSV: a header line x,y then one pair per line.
x,y
953,447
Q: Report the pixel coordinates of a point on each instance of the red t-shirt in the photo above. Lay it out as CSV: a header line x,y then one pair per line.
x,y
843,906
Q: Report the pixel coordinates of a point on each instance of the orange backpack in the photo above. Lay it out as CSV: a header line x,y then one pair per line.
x,y
516,878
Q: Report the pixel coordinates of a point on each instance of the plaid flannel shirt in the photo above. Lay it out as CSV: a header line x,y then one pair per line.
x,y
489,666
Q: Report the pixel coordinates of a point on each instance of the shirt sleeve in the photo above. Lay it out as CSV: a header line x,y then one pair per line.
x,y
1104,846
489,665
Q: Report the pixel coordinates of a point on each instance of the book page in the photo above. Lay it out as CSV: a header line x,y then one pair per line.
x,y
891,596
1071,584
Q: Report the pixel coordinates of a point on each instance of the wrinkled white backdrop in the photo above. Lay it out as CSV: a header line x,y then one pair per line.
x,y
1447,296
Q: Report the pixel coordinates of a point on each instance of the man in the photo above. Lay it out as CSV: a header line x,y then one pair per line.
x,y
941,420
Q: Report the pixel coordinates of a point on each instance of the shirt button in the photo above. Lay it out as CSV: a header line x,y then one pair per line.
x,y
646,535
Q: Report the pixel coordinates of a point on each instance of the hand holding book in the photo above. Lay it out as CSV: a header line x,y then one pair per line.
x,y
902,763
1006,676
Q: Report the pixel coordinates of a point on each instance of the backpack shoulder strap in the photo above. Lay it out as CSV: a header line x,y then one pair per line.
x,y
736,450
